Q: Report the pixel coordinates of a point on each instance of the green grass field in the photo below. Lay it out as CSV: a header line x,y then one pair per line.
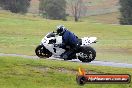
x,y
109,18
21,34
16,72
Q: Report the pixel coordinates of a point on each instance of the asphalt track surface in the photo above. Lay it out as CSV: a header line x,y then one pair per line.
x,y
97,63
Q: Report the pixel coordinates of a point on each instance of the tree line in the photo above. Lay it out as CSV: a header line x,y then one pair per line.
x,y
56,9
126,12
15,6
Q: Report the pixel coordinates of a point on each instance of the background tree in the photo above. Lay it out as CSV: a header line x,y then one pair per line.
x,y
15,6
126,12
77,7
53,9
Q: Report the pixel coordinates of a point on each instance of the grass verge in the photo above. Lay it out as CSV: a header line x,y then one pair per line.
x,y
17,72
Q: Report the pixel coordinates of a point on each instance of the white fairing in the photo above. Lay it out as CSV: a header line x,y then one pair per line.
x,y
59,40
88,40
56,51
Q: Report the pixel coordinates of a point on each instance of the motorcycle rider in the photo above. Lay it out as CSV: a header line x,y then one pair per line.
x,y
69,42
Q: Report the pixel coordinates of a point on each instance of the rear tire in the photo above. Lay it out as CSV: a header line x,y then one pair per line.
x,y
88,54
42,52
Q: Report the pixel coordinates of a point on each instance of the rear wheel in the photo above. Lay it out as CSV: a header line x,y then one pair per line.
x,y
87,54
42,52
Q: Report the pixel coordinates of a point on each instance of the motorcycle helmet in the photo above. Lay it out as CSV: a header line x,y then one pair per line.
x,y
60,29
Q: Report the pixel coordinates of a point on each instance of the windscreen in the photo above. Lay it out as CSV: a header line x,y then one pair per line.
x,y
50,35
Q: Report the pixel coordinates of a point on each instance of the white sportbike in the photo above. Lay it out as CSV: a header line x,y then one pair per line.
x,y
47,48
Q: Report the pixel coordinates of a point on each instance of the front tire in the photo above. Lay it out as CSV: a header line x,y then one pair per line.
x,y
42,52
87,54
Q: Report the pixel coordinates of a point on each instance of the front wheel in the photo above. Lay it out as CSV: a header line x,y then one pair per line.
x,y
42,52
87,54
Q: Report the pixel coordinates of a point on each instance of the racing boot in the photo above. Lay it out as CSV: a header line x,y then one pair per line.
x,y
66,55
